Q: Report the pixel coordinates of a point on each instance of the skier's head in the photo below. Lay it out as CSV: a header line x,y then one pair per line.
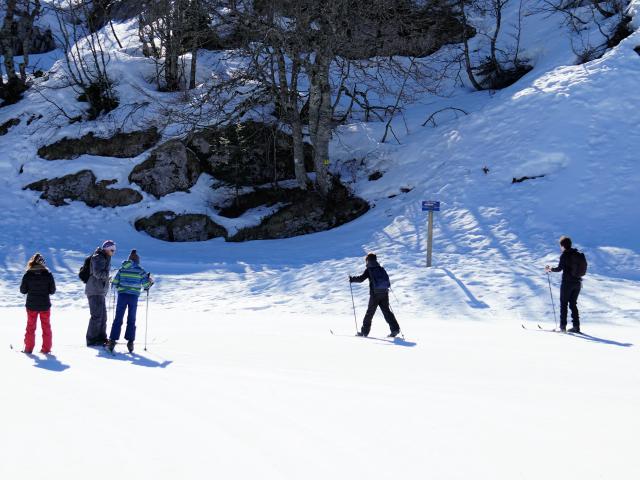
x,y
36,259
134,257
565,242
371,258
109,247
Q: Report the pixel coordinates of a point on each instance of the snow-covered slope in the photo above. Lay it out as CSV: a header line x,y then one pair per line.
x,y
246,379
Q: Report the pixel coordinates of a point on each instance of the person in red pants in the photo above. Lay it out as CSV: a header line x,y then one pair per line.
x,y
38,284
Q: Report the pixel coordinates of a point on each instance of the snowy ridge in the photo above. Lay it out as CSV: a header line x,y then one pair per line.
x,y
242,378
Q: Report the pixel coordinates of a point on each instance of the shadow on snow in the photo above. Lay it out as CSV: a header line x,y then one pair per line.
x,y
135,359
49,362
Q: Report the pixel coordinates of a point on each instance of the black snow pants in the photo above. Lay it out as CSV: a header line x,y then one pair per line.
x,y
97,330
381,300
569,297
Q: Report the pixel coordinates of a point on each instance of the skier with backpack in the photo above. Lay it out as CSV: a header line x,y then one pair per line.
x,y
379,285
38,284
573,265
130,280
95,274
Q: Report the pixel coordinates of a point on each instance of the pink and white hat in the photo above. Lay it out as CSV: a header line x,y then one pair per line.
x,y
109,245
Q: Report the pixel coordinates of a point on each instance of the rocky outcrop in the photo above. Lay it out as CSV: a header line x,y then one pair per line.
x,y
172,227
170,168
120,145
83,186
308,213
249,154
4,128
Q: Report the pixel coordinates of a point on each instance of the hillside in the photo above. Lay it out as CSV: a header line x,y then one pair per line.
x,y
243,378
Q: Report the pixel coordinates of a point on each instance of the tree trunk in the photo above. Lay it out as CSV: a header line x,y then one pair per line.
x,y
494,38
467,58
171,63
6,41
288,96
298,153
194,65
320,117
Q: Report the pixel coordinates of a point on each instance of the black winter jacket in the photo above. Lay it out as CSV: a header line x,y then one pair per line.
x,y
366,275
565,267
37,283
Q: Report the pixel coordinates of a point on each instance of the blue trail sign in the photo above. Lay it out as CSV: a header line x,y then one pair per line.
x,y
430,206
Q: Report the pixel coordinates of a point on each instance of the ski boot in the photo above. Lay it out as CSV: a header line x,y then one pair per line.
x,y
130,346
111,345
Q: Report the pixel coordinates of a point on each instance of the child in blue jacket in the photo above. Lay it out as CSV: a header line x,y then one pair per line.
x,y
130,280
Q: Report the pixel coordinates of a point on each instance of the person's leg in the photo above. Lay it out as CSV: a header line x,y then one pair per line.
x,y
388,314
564,301
30,334
93,330
116,328
130,332
371,310
573,305
103,319
47,338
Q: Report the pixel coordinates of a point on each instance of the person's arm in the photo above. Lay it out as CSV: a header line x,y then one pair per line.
x,y
99,268
561,264
360,278
147,281
52,284
559,268
24,287
116,280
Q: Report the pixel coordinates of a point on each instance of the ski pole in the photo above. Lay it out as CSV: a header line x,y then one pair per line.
x,y
355,319
146,323
552,303
399,303
113,304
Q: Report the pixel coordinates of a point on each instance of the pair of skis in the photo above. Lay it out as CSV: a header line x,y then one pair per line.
x,y
556,330
387,338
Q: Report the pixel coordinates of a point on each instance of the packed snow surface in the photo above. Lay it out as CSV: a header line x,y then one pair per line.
x,y
242,377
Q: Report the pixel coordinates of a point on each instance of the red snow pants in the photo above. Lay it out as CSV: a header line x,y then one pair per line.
x,y
30,336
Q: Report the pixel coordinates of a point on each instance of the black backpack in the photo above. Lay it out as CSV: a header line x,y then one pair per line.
x,y
85,270
578,264
379,279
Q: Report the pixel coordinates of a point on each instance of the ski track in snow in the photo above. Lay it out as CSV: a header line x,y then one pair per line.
x,y
241,364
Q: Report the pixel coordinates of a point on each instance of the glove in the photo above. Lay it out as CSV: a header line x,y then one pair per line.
x,y
350,279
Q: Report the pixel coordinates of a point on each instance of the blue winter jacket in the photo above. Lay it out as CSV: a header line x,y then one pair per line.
x,y
131,278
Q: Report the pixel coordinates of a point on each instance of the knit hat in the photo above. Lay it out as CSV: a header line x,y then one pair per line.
x,y
109,244
134,257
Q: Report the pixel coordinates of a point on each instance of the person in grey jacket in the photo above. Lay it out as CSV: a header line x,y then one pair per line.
x,y
96,291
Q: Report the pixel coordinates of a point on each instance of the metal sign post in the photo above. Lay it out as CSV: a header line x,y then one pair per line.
x,y
430,206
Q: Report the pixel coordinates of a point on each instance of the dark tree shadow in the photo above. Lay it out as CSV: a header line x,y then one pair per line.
x,y
134,358
472,300
49,362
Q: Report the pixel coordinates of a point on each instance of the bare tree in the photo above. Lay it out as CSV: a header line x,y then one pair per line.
x,y
607,16
502,66
20,16
167,30
313,57
86,58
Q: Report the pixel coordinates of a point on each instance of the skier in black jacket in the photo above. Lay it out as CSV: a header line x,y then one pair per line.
x,y
378,295
37,284
570,286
